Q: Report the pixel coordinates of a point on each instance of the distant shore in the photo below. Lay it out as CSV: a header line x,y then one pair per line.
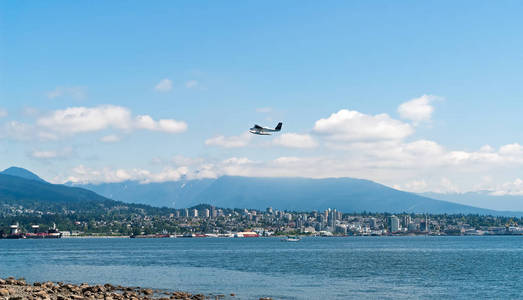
x,y
250,237
96,237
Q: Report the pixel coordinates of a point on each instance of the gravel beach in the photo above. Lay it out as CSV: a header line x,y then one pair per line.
x,y
18,289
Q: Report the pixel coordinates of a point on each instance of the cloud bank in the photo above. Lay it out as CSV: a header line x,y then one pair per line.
x,y
77,120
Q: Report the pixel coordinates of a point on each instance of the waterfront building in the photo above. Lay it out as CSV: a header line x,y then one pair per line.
x,y
393,223
341,229
425,225
412,227
406,220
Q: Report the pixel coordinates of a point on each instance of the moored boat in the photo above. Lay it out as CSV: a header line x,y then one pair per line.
x,y
291,239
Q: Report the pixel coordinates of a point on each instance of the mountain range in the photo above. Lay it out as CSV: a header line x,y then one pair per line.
x,y
25,190
22,173
297,194
484,199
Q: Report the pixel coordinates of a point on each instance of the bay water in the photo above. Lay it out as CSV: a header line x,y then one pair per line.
x,y
420,267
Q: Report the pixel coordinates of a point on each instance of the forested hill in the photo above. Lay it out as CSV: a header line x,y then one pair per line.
x,y
29,194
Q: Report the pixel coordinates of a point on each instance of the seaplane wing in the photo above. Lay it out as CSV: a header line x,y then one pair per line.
x,y
257,129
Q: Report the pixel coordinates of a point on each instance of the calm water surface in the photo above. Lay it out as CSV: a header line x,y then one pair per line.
x,y
314,268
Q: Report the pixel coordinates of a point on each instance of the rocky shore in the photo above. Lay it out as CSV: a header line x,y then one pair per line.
x,y
19,289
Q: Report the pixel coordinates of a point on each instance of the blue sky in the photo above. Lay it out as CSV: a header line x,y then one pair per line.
x,y
211,69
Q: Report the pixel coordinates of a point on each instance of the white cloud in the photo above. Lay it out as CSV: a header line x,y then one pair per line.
x,y
3,113
164,85
295,140
487,149
74,92
514,188
171,126
443,186
511,150
76,120
84,119
229,142
237,161
353,126
18,131
82,174
164,125
449,186
44,154
192,84
110,138
415,186
417,110
51,154
424,148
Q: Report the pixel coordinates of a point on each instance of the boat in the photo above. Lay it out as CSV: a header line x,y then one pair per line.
x,y
52,233
149,236
291,239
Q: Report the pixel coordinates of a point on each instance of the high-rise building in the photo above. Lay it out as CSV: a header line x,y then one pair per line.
x,y
195,213
321,219
394,223
425,225
373,223
269,210
405,221
206,213
333,216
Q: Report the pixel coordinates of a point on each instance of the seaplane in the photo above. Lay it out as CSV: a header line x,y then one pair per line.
x,y
257,129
